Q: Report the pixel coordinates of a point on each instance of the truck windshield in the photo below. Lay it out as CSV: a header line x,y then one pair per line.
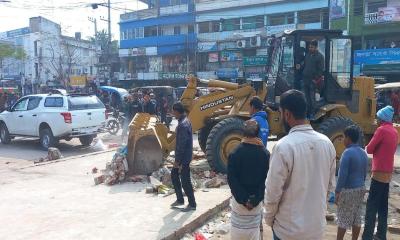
x,y
84,102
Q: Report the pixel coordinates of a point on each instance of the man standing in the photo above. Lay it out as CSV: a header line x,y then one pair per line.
x,y
313,70
383,146
302,172
148,105
350,187
260,116
183,157
247,171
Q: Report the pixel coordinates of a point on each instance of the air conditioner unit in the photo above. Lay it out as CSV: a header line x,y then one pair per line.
x,y
241,44
255,41
269,42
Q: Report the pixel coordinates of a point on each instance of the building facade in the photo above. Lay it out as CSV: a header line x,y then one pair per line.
x,y
51,58
233,35
375,28
158,43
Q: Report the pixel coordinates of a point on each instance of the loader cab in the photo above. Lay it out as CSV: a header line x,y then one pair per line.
x,y
290,49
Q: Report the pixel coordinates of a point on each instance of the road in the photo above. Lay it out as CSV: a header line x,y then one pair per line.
x,y
29,149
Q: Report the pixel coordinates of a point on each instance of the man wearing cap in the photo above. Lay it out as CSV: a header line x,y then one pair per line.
x,y
383,146
260,116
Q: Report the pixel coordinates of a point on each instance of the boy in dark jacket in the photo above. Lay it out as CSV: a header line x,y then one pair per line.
x,y
183,157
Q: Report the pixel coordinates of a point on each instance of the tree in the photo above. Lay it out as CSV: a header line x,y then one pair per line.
x,y
9,51
101,40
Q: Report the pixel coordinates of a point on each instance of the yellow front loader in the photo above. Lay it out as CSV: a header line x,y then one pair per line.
x,y
219,114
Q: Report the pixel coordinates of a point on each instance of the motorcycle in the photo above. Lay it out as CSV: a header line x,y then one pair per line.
x,y
115,121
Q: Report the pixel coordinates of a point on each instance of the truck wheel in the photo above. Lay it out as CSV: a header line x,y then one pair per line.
x,y
47,139
4,134
203,135
224,137
86,140
333,128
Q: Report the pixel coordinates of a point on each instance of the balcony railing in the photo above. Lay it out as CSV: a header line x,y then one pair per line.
x,y
141,14
371,18
176,9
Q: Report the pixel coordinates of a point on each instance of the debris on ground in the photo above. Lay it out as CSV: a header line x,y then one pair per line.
x,y
163,175
52,154
330,217
215,182
98,145
94,170
115,171
394,229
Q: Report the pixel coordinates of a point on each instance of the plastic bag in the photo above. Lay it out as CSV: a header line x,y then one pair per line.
x,y
98,145
199,236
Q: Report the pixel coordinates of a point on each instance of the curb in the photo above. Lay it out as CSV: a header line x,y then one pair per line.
x,y
69,158
197,222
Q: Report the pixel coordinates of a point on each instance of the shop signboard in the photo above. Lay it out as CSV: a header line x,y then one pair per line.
x,y
213,57
255,60
172,75
77,80
337,9
280,28
228,56
377,56
228,73
207,46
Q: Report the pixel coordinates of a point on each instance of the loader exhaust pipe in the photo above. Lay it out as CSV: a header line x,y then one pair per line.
x,y
220,84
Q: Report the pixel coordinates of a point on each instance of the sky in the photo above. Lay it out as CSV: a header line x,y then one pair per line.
x,y
72,15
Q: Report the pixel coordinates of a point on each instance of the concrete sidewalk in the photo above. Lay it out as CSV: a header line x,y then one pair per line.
x,y
60,201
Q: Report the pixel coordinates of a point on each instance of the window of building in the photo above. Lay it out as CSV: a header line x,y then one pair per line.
x,y
215,26
203,27
35,44
357,7
275,20
130,33
139,32
230,24
177,30
253,22
190,29
309,16
150,31
372,6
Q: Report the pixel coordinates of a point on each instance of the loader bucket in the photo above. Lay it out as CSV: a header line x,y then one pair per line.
x,y
144,151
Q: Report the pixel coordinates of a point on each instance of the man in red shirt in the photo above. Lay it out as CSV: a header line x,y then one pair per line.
x,y
383,146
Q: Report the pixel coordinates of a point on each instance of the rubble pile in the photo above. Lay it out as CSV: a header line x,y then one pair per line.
x,y
115,171
52,154
216,228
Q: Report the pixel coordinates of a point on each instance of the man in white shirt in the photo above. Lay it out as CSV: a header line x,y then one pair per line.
x,y
302,172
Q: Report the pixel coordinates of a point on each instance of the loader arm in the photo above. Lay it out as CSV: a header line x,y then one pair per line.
x,y
203,108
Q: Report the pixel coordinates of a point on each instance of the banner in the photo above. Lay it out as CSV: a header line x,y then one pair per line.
x,y
207,46
389,14
77,80
279,28
337,9
255,60
227,56
227,73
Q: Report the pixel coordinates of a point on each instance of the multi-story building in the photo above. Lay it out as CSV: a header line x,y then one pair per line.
x,y
51,58
375,28
233,34
158,43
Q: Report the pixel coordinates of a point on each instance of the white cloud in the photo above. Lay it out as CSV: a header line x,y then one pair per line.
x,y
71,15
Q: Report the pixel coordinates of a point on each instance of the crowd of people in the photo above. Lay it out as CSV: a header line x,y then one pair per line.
x,y
289,188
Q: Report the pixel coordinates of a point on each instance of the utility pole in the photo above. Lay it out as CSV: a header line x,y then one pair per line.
x,y
94,21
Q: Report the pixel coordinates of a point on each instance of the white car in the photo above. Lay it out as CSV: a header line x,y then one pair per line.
x,y
51,117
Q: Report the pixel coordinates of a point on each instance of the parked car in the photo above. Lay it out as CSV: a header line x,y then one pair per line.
x,y
52,117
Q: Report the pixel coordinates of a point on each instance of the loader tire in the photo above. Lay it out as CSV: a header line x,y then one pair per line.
x,y
224,137
203,135
333,128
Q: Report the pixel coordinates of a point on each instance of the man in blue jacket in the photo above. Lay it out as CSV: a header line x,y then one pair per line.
x,y
257,113
183,157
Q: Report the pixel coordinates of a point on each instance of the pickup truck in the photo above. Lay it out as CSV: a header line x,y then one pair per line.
x,y
52,117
